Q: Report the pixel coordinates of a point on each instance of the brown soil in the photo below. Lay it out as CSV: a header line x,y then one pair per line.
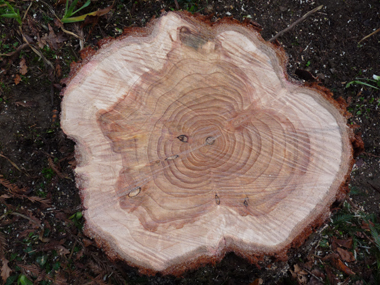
x,y
325,45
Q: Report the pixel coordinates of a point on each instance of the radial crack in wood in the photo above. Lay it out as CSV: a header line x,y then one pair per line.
x,y
192,142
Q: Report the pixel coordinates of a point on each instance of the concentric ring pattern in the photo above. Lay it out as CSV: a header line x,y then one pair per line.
x,y
195,136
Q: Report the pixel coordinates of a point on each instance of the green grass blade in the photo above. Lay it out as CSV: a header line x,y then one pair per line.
x,y
69,12
74,19
361,83
369,85
67,6
84,6
14,15
79,18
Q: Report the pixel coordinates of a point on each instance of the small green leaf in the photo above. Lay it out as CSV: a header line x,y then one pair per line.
x,y
84,6
324,243
79,215
23,280
76,216
11,280
29,250
13,256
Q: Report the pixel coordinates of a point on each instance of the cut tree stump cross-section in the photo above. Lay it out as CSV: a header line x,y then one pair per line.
x,y
192,141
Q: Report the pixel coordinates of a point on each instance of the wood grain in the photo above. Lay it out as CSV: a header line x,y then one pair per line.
x,y
192,142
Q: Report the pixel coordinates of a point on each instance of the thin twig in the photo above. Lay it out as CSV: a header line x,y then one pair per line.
x,y
11,162
318,278
296,22
72,250
70,33
371,34
26,217
27,10
27,42
37,51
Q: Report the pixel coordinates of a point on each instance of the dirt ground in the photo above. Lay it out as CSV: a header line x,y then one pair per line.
x,y
41,224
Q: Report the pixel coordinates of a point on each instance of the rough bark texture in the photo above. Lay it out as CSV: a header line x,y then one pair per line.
x,y
192,142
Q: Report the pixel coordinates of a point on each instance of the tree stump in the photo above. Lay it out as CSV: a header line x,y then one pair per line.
x,y
192,142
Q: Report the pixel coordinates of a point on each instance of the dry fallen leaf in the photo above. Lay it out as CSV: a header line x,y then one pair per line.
x,y
5,270
60,279
62,250
366,226
52,245
80,254
347,243
345,255
23,66
42,238
32,270
12,187
331,276
87,242
338,264
17,79
44,202
52,39
318,273
300,274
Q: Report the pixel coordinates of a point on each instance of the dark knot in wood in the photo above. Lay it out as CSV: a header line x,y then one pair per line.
x,y
210,140
183,138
